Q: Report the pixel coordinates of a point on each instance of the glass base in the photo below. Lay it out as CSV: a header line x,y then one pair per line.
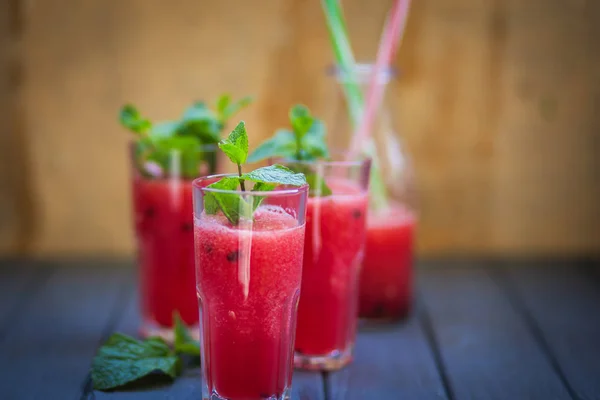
x,y
327,362
286,395
151,328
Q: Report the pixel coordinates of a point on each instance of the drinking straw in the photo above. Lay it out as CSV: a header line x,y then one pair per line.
x,y
344,58
391,38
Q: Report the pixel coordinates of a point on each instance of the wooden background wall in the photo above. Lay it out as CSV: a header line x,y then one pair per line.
x,y
500,100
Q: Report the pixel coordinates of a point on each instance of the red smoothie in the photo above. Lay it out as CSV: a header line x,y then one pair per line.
x,y
248,286
386,276
165,236
333,251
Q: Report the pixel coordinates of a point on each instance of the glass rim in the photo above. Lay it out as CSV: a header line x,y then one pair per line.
x,y
364,71
273,193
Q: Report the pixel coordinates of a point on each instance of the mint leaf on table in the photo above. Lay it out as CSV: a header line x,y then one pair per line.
x,y
184,344
123,359
130,118
236,145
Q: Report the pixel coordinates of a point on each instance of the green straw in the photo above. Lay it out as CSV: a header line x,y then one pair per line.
x,y
352,91
344,58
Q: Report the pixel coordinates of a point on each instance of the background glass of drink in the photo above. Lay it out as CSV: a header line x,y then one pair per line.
x,y
248,285
333,252
162,208
386,282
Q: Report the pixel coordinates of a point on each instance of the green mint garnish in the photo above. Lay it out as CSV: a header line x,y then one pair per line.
x,y
226,108
130,118
236,145
199,125
238,206
275,174
184,344
305,142
124,359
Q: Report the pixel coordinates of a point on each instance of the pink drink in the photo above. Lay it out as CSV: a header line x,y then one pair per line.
x,y
386,276
165,236
248,283
327,314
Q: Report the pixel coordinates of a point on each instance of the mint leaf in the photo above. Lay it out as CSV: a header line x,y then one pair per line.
x,y
201,122
301,120
261,187
184,344
236,144
283,144
123,359
222,103
164,129
314,144
211,204
181,152
233,108
318,187
131,119
232,205
277,174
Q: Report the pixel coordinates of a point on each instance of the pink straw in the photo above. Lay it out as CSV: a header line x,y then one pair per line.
x,y
390,41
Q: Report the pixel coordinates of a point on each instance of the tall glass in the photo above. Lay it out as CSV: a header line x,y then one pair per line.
x,y
386,282
333,252
162,208
248,284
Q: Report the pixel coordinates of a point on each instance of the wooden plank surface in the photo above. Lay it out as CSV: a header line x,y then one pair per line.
x,y
48,352
487,349
563,306
393,362
478,333
18,281
305,386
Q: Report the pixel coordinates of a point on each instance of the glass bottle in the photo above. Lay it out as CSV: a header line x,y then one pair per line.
x,y
386,282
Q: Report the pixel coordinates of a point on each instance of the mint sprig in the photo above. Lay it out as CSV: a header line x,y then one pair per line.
x,y
124,359
304,142
237,206
199,125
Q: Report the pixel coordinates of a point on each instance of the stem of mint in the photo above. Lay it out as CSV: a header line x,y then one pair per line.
x,y
242,184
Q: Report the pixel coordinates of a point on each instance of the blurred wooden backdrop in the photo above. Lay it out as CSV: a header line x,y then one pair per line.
x,y
500,100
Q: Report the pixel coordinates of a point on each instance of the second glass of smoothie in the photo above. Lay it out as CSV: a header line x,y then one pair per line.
x,y
333,253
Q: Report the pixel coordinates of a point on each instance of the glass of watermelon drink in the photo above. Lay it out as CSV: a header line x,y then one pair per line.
x,y
162,208
248,284
333,253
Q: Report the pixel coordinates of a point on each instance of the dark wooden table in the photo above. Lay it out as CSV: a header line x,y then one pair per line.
x,y
481,330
